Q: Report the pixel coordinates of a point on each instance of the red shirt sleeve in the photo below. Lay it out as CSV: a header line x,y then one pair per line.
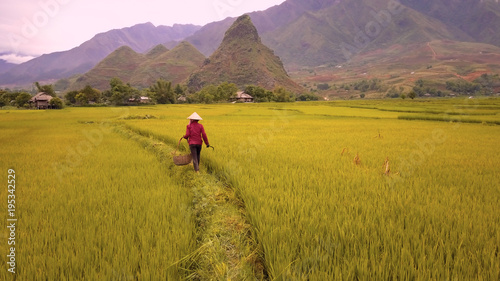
x,y
186,136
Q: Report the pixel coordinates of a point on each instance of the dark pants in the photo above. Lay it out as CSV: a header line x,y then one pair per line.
x,y
195,152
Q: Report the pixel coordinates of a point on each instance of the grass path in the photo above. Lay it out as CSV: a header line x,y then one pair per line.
x,y
227,248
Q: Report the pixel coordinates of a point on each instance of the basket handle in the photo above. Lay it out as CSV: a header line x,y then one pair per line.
x,y
178,145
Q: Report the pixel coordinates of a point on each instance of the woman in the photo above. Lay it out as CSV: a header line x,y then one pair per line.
x,y
194,134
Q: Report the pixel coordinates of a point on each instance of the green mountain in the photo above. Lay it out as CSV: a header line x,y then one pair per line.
x,y
242,59
480,19
175,65
339,32
318,32
156,51
303,33
142,70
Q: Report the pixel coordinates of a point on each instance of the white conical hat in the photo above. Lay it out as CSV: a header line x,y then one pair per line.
x,y
195,116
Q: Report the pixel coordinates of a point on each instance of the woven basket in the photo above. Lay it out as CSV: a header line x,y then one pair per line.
x,y
181,160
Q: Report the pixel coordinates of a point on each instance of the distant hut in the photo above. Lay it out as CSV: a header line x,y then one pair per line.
x,y
182,99
242,97
145,100
41,100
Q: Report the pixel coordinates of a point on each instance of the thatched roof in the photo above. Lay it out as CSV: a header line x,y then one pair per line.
x,y
243,95
42,96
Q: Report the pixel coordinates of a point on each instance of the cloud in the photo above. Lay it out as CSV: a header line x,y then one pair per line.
x,y
15,58
44,26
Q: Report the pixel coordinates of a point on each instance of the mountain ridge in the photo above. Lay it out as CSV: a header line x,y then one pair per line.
x,y
142,70
303,33
80,59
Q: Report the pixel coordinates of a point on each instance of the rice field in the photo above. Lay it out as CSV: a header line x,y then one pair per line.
x,y
347,190
89,207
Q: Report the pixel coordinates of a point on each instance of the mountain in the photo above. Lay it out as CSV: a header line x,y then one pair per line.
x,y
303,33
242,59
156,51
209,37
314,32
334,34
5,66
142,70
175,65
480,19
58,65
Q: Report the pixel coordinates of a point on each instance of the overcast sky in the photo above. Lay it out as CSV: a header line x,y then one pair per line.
x,y
29,28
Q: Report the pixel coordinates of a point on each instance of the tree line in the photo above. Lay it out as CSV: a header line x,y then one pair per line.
x,y
164,92
21,99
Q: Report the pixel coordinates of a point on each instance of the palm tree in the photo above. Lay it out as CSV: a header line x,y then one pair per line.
x,y
163,93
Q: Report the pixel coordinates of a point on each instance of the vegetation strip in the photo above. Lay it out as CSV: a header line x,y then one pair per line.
x,y
227,248
447,119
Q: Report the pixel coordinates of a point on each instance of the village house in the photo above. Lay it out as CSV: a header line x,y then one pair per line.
x,y
145,100
41,101
242,97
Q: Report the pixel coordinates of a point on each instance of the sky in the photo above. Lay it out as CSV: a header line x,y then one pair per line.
x,y
30,28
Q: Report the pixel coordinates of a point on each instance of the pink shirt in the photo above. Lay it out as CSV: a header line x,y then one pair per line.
x,y
194,133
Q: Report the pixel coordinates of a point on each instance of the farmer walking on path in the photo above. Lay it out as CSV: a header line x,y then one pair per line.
x,y
194,134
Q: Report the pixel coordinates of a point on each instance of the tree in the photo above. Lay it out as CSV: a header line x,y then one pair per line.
x,y
282,95
162,92
362,96
463,87
3,98
71,97
308,97
117,98
419,91
179,90
323,86
48,89
22,99
56,103
82,99
259,94
93,95
412,95
488,83
120,93
207,94
225,91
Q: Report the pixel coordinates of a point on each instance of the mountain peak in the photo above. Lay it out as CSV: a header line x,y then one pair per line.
x,y
242,30
242,59
156,51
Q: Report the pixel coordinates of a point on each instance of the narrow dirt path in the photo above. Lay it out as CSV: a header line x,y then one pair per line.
x,y
434,55
227,248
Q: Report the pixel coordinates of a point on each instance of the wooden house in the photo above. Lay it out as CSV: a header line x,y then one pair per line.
x,y
242,97
41,100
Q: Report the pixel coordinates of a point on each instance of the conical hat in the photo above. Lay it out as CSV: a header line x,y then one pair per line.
x,y
195,116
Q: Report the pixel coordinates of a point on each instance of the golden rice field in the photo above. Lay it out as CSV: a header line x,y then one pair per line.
x,y
421,203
